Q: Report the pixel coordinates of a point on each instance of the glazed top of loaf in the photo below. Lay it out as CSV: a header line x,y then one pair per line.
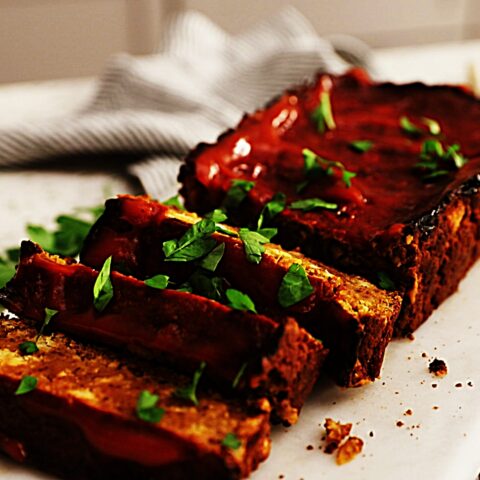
x,y
388,191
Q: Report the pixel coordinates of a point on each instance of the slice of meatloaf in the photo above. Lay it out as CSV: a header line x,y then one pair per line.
x,y
83,419
410,212
242,351
352,317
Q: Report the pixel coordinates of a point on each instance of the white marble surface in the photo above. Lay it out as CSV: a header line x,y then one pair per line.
x,y
439,444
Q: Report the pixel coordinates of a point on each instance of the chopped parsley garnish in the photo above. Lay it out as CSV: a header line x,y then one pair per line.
x,y
194,244
219,216
436,161
28,348
174,202
315,166
239,375
295,286
190,391
7,265
67,239
27,385
385,282
158,281
240,301
322,115
49,314
361,146
432,125
231,441
253,243
312,204
408,127
147,409
237,193
103,288
206,285
271,209
211,261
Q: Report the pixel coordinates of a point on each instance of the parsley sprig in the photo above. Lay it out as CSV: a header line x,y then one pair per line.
x,y
147,409
438,161
68,236
237,193
410,128
240,301
103,288
194,244
253,243
316,166
361,146
295,286
322,115
308,204
31,347
27,384
189,392
231,441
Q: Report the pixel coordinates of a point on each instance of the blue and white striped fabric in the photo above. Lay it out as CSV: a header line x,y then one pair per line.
x,y
200,84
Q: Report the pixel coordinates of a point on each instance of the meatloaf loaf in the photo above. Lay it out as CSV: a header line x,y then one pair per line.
x,y
84,413
352,317
387,175
242,351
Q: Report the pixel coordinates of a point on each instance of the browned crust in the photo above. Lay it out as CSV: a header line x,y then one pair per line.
x,y
84,391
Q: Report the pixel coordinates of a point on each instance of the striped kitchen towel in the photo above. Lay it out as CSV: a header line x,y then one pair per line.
x,y
158,107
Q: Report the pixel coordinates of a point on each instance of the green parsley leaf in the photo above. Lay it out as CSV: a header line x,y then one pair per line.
x,y
385,282
147,409
231,441
311,204
158,281
7,271
431,148
217,215
361,146
253,242
239,375
69,235
206,285
438,161
322,115
268,233
314,166
271,209
28,348
433,126
27,384
190,391
211,261
49,314
240,301
436,174
40,235
174,202
453,154
194,244
295,286
103,288
237,193
68,239
13,254
408,127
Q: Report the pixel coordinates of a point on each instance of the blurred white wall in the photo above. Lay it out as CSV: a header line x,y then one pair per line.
x,y
42,39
